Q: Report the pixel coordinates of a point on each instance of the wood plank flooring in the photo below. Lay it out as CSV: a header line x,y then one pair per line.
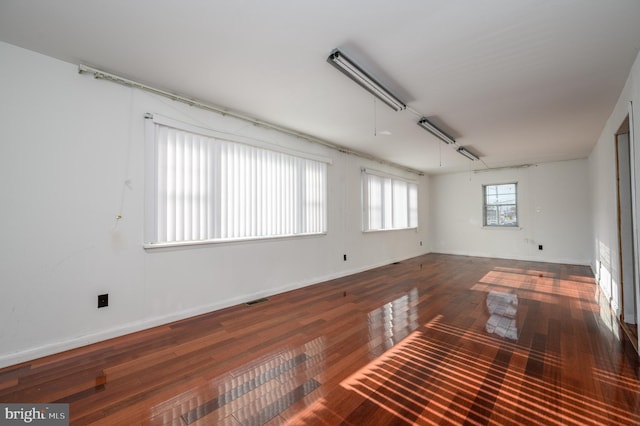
x,y
402,344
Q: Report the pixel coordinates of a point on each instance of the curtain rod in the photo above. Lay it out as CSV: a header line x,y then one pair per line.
x,y
492,169
99,74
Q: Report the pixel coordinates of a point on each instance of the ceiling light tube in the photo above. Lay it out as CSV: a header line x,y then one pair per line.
x,y
427,125
471,156
360,76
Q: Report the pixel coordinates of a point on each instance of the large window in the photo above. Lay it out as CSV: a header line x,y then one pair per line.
x,y
206,189
500,204
388,202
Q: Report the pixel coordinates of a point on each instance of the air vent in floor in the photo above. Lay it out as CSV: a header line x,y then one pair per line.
x,y
255,302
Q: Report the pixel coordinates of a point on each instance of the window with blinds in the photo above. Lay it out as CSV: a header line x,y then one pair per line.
x,y
207,189
388,202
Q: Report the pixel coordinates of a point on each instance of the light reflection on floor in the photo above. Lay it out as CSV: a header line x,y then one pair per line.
x,y
502,308
252,394
424,380
427,374
442,373
392,322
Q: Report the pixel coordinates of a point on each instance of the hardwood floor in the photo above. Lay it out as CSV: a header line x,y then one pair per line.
x,y
406,343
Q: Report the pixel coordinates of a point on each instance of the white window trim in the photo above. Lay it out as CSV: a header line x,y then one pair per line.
x,y
515,227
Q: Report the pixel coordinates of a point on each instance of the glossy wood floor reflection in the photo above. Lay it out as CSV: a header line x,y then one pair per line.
x,y
407,343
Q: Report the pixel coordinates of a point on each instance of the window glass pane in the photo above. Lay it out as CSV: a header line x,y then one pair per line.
x,y
387,208
507,215
507,189
375,202
491,215
413,205
505,199
400,204
314,212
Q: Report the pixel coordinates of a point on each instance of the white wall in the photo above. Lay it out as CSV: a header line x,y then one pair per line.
x,y
602,175
71,159
553,210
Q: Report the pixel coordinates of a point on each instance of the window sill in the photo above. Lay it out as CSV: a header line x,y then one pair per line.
x,y
372,231
504,228
153,246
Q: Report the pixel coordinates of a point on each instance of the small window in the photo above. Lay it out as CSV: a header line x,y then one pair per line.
x,y
500,204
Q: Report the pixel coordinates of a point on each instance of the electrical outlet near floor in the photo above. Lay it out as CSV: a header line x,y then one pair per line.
x,y
103,300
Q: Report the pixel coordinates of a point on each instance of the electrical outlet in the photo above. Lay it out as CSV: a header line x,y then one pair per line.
x,y
420,242
539,246
103,300
345,257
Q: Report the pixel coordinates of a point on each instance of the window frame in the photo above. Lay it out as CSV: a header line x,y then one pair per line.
x,y
154,122
389,202
485,206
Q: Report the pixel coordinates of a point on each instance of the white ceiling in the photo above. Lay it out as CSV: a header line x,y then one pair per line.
x,y
517,82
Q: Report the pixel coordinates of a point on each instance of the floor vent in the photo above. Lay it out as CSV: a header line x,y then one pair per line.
x,y
255,302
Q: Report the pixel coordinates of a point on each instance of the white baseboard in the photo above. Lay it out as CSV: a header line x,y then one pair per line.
x,y
566,261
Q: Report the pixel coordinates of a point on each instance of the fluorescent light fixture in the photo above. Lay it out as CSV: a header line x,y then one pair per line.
x,y
364,79
470,155
430,127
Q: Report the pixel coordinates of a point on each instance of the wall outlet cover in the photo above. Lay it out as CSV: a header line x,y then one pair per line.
x,y
103,300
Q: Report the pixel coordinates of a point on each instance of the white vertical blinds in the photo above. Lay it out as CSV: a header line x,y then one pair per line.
x,y
389,202
208,189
